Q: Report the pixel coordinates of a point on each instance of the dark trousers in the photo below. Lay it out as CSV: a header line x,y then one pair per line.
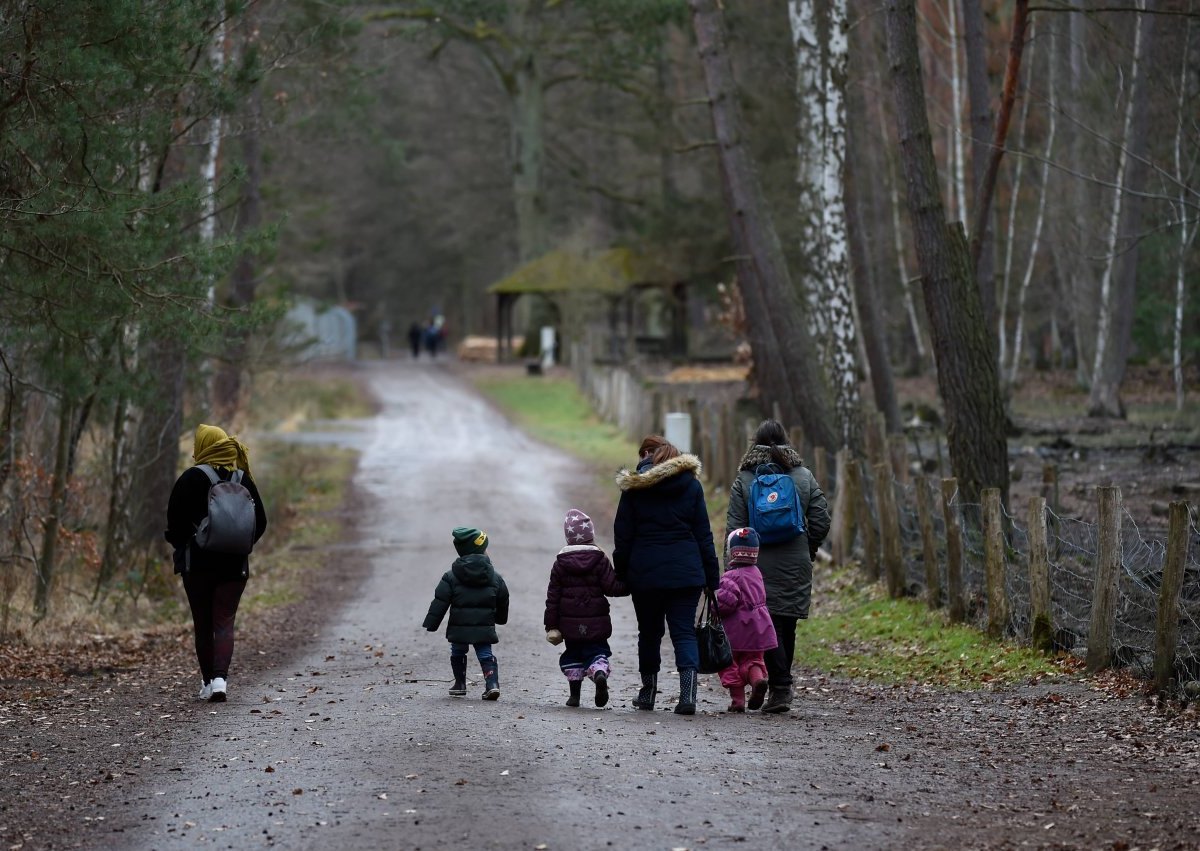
x,y
671,609
779,660
214,605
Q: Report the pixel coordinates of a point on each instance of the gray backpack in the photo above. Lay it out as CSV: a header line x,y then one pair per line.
x,y
230,524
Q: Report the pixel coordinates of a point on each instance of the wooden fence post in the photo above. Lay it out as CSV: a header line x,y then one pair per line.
x,y
954,553
876,438
845,501
933,573
898,453
1042,624
1167,634
889,529
1108,571
994,564
1050,486
866,522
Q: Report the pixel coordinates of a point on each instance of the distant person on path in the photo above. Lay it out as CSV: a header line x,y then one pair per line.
x,y
433,336
742,602
477,599
581,580
786,566
414,339
214,580
664,553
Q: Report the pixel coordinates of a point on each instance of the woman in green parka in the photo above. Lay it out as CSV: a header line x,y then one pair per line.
x,y
786,567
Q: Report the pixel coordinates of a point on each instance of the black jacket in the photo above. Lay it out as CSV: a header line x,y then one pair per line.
x,y
663,539
187,507
476,597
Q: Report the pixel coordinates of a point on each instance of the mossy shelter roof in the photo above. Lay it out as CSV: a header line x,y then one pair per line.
x,y
610,270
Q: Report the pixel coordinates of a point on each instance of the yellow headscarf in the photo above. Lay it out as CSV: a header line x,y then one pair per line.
x,y
213,446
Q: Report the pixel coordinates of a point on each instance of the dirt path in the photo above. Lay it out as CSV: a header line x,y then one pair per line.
x,y
355,744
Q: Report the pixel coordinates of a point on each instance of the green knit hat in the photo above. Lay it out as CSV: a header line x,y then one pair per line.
x,y
468,540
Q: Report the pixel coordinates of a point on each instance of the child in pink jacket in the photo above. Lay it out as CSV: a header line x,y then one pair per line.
x,y
742,601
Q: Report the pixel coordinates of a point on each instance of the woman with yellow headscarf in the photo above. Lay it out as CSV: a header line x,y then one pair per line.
x,y
214,581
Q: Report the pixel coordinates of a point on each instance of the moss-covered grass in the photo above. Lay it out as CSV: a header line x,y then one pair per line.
x,y
859,633
555,411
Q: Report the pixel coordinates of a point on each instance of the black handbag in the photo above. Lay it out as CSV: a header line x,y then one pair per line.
x,y
715,653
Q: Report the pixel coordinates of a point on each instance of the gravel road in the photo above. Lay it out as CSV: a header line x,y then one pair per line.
x,y
354,744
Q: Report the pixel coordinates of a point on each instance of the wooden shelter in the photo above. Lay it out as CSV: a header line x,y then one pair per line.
x,y
618,275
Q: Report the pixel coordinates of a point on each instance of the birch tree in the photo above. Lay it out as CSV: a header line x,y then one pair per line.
x,y
784,355
821,50
1118,282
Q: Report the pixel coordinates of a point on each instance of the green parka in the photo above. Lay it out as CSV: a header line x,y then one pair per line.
x,y
786,567
476,597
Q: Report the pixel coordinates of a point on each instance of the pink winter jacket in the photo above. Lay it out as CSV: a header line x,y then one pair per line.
x,y
742,601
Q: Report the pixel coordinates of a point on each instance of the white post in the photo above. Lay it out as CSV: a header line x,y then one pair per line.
x,y
677,429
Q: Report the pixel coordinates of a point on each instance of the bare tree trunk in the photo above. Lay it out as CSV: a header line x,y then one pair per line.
x,y
963,347
528,136
771,300
819,35
1035,241
1188,225
1011,241
1083,296
956,131
978,91
243,284
48,557
1119,282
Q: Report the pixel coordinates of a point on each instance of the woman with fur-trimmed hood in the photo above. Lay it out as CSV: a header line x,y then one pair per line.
x,y
664,552
786,567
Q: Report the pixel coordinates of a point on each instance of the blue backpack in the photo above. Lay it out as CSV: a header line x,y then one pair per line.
x,y
775,510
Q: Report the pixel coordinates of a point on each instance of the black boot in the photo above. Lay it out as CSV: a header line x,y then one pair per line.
x,y
601,680
458,665
779,700
491,680
576,687
645,695
687,693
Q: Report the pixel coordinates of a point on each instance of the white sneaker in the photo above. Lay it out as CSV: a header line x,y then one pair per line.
x,y
218,690
205,692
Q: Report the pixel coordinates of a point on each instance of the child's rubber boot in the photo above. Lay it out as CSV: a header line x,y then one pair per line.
x,y
458,665
601,680
687,692
737,696
491,680
576,688
645,695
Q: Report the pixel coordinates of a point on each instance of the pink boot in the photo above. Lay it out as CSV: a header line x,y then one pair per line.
x,y
738,704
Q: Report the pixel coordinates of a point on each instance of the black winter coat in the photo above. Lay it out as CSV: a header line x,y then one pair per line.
x,y
576,600
663,539
187,506
476,597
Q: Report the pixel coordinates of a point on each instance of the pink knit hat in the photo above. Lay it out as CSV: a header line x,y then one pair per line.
x,y
579,528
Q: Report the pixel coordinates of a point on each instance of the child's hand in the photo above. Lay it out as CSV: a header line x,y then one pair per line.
x,y
554,636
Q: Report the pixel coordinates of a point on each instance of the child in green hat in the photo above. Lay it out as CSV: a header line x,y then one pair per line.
x,y
477,599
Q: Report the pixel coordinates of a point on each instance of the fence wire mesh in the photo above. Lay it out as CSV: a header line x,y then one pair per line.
x,y
1073,553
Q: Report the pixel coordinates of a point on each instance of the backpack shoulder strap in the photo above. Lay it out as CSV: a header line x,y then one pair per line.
x,y
208,470
236,478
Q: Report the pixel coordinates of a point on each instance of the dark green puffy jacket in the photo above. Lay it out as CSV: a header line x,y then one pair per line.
x,y
476,597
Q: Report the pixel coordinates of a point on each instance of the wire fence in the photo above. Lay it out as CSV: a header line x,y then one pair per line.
x,y
1073,554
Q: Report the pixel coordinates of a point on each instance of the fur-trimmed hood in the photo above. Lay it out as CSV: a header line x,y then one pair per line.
x,y
628,480
758,455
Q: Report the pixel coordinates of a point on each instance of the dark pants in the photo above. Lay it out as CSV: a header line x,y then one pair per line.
x,y
660,610
779,660
214,605
483,652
